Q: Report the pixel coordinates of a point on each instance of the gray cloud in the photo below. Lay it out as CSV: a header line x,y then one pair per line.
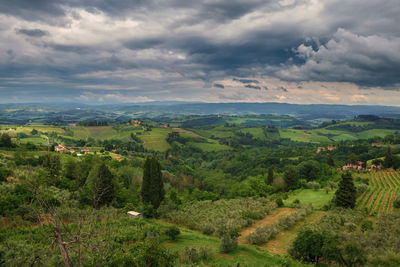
x,y
246,80
185,46
252,86
218,85
348,57
32,32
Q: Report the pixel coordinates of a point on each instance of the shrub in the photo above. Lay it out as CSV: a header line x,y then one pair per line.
x,y
366,225
149,211
279,202
351,227
228,243
361,188
332,185
262,235
190,254
327,190
313,185
172,232
278,184
396,202
194,255
205,253
4,173
207,229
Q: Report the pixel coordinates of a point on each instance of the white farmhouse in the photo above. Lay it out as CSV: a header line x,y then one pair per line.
x,y
134,214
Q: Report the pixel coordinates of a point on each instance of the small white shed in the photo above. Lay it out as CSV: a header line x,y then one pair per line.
x,y
134,214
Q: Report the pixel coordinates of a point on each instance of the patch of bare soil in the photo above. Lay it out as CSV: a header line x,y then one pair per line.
x,y
281,243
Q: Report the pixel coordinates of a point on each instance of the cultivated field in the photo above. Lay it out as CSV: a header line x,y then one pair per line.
x,y
382,189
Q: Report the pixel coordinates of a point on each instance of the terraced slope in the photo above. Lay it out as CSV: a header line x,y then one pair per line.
x,y
383,186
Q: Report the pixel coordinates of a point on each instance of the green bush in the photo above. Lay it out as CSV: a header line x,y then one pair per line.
x,y
172,232
361,188
207,229
366,225
279,202
195,255
4,173
396,202
228,243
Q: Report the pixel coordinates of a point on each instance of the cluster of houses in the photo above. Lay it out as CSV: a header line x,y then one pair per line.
x,y
329,148
135,123
63,149
377,144
358,166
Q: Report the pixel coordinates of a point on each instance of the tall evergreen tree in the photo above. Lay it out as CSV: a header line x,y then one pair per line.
x,y
52,162
270,177
71,169
100,184
291,177
5,140
353,158
388,161
346,193
152,186
330,161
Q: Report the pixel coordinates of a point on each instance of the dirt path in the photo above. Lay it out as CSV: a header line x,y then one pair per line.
x,y
270,219
282,241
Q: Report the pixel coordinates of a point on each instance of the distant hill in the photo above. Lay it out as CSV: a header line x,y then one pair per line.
x,y
71,113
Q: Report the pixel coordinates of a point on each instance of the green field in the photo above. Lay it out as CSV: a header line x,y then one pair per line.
x,y
37,140
207,147
326,135
308,136
155,139
317,198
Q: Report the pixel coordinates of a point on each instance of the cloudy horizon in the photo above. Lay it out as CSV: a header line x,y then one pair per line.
x,y
291,51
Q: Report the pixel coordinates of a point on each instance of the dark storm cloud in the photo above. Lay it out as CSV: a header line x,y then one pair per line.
x,y
193,41
252,86
366,60
32,32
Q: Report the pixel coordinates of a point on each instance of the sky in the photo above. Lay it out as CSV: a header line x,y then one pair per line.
x,y
123,51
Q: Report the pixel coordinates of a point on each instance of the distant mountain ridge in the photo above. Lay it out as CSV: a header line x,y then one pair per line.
x,y
73,112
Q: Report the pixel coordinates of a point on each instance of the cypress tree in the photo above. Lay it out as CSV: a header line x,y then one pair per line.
x,y
388,161
152,186
5,140
270,178
101,185
291,177
346,193
330,161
